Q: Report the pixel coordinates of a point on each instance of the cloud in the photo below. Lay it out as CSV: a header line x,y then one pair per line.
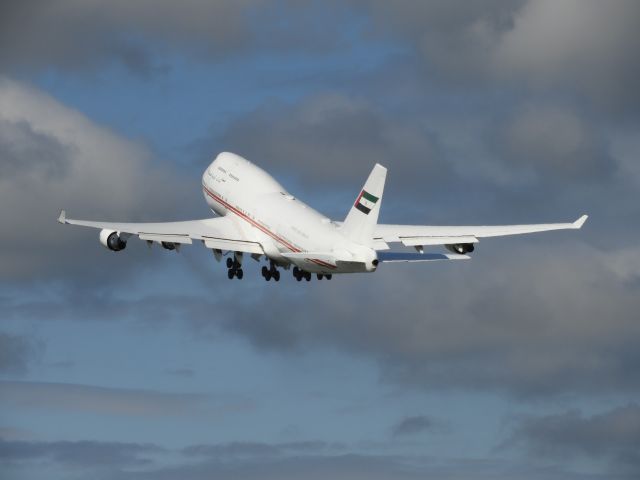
x,y
569,45
113,401
80,36
252,450
613,435
356,466
546,321
16,352
557,142
54,157
546,318
573,44
334,138
86,453
413,426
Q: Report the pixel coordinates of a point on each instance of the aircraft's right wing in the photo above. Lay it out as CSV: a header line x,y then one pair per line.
x,y
220,233
420,235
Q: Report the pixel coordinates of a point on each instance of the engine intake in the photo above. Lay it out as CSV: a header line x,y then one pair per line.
x,y
111,240
460,248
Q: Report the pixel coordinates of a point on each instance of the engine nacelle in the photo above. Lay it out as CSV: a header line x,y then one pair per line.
x,y
460,248
111,240
168,245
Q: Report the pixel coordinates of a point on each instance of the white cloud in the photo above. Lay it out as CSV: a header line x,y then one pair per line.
x,y
53,157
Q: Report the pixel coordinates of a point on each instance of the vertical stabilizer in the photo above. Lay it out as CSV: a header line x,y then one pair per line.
x,y
363,216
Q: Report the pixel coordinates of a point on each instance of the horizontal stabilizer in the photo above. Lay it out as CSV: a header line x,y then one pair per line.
x,y
386,257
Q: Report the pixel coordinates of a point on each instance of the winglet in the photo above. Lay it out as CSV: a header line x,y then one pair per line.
x,y
63,217
579,222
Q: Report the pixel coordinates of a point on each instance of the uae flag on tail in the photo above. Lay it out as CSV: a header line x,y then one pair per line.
x,y
366,202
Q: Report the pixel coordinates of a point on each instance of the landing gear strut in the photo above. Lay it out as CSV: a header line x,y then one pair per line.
x,y
271,272
235,268
300,274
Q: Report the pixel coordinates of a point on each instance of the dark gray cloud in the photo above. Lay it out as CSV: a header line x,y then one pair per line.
x,y
613,436
569,46
253,460
335,139
548,318
87,454
78,36
556,144
239,450
115,401
358,466
25,151
414,425
16,352
531,335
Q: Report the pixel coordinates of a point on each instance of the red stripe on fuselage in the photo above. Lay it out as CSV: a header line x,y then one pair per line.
x,y
263,229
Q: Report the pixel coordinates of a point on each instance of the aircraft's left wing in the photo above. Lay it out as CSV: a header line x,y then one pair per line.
x,y
419,235
220,233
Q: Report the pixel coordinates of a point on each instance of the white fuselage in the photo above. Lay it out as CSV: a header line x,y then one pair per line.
x,y
266,213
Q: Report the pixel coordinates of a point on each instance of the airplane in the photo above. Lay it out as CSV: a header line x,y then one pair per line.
x,y
256,216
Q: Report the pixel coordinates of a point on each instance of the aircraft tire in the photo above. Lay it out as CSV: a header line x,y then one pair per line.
x,y
229,263
276,276
230,274
329,276
239,274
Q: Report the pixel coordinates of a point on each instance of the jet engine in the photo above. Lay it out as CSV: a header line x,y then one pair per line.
x,y
111,240
168,245
461,248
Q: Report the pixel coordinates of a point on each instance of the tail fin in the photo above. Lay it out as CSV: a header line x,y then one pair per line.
x,y
363,216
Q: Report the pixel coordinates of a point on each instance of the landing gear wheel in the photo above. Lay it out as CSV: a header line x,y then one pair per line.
x,y
229,263
307,276
265,271
319,275
276,276
298,277
230,274
329,276
239,274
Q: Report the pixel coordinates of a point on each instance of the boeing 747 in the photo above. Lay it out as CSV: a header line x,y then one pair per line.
x,y
259,218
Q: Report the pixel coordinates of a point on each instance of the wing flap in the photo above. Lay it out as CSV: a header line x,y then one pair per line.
x,y
388,257
234,245
155,237
415,241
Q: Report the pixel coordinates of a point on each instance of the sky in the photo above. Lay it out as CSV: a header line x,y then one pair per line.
x,y
521,363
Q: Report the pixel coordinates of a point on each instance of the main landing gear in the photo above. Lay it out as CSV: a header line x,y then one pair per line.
x,y
235,269
271,272
300,274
